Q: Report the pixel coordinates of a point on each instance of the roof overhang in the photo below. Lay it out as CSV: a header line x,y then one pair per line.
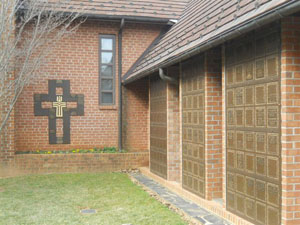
x,y
139,19
274,14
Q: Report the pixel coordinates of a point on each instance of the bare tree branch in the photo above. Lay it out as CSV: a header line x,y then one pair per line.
x,y
29,30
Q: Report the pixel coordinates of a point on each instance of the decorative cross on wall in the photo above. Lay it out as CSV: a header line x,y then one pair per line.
x,y
59,109
59,105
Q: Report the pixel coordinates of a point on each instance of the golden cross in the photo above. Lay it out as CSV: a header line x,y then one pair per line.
x,y
59,105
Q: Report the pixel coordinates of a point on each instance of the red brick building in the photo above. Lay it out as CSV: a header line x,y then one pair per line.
x,y
210,91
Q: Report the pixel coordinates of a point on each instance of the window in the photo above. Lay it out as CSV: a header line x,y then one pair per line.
x,y
107,70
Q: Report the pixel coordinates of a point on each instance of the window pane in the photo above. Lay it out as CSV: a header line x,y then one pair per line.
x,y
107,98
106,44
106,85
106,57
106,71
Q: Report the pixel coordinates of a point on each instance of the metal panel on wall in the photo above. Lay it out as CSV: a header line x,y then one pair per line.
x,y
158,126
193,129
253,126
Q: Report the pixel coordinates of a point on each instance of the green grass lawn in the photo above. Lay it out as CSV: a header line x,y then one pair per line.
x,y
58,199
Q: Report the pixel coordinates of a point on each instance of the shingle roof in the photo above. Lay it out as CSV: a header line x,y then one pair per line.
x,y
165,9
200,23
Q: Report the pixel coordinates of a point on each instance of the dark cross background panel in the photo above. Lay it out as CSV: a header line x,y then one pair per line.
x,y
253,126
193,129
158,126
59,109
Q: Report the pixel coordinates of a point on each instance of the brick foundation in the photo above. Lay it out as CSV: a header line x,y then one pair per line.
x,y
75,163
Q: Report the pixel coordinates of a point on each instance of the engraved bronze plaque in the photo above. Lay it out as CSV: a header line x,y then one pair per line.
x,y
240,160
249,92
272,116
240,203
230,98
273,93
231,139
260,93
230,117
239,96
239,76
249,116
260,165
250,187
259,47
231,200
59,109
250,163
230,75
249,71
249,142
260,69
260,190
272,66
240,140
273,216
261,142
261,212
272,43
250,208
231,158
260,116
193,74
239,115
273,167
273,144
240,183
231,181
253,146
158,127
273,194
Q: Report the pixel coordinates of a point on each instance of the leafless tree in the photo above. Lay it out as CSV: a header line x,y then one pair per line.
x,y
29,29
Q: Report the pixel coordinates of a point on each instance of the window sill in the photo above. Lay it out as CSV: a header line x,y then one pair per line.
x,y
108,107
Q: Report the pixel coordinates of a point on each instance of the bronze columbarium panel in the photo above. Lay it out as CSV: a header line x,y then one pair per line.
x,y
193,132
158,127
253,127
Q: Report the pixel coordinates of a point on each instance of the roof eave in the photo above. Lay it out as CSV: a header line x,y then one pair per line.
x,y
130,18
267,17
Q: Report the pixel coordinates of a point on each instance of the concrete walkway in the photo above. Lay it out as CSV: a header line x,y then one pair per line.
x,y
193,210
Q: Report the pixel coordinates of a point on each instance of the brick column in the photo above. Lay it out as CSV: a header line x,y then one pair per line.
x,y
173,145
213,123
224,134
290,115
136,116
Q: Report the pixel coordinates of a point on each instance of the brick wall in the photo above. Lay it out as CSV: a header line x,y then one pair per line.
x,y
7,134
7,141
290,100
213,123
136,39
173,142
75,163
75,58
136,115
